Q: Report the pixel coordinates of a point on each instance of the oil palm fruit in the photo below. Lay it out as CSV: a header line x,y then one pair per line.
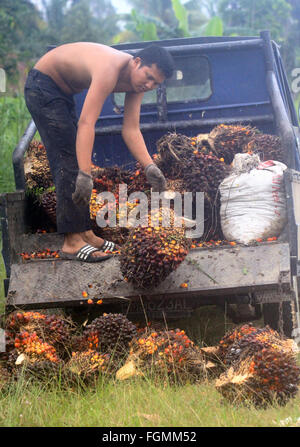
x,y
110,333
151,253
261,367
269,147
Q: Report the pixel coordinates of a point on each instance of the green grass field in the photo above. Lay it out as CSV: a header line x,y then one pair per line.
x,y
14,118
133,403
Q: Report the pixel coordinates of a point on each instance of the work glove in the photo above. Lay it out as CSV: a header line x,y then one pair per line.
x,y
83,189
156,178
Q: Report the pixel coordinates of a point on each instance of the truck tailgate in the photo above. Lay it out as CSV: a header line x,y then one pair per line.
x,y
207,272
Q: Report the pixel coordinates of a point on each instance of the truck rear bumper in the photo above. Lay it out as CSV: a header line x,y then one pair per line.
x,y
215,272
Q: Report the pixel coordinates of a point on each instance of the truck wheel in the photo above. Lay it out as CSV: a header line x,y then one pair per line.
x,y
271,317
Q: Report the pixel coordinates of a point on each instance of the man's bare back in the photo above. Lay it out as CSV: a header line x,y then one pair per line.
x,y
72,66
100,69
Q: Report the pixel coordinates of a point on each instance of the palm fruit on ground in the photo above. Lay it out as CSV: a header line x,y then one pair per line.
x,y
261,367
151,253
50,328
227,140
40,370
110,333
35,348
86,367
164,355
269,147
232,337
19,320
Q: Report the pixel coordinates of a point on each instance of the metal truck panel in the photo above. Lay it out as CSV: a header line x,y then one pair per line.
x,y
208,272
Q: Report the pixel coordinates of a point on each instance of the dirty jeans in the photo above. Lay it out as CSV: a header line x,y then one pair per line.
x,y
53,113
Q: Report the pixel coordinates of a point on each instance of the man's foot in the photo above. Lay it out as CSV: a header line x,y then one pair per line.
x,y
90,238
85,254
73,242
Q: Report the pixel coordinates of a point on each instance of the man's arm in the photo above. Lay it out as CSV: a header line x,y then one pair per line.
x,y
101,86
131,129
135,141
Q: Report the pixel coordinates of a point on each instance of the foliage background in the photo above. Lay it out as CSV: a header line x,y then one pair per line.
x,y
25,32
27,27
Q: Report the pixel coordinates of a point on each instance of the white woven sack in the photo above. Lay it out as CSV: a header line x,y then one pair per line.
x,y
253,204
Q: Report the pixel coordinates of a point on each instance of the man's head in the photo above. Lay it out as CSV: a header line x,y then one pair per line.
x,y
152,66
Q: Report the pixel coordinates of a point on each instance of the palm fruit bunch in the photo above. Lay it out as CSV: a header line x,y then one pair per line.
x,y
262,367
268,147
33,357
20,320
50,328
34,347
48,204
40,370
36,167
109,179
173,150
164,354
116,233
233,336
110,333
204,173
227,140
86,366
151,253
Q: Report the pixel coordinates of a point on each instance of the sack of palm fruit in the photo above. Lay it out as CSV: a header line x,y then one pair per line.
x,y
261,366
253,204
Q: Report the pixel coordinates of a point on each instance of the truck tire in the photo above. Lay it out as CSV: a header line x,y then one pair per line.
x,y
271,317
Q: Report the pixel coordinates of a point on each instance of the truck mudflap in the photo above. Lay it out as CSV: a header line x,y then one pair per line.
x,y
205,273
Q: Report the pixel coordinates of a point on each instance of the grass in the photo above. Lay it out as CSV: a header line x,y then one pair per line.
x,y
14,118
136,403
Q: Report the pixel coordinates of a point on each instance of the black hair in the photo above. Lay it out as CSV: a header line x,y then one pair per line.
x,y
155,54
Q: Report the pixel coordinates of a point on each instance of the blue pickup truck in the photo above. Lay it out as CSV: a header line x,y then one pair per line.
x,y
218,80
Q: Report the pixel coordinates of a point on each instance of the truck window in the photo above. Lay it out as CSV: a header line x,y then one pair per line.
x,y
191,81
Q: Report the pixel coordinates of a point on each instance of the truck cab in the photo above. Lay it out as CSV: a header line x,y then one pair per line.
x,y
217,80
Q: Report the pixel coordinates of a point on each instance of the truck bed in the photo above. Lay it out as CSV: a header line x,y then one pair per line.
x,y
208,272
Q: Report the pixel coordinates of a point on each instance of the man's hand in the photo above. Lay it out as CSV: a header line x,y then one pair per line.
x,y
156,178
83,189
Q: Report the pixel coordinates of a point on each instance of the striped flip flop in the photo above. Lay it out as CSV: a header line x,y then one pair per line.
x,y
108,246
84,254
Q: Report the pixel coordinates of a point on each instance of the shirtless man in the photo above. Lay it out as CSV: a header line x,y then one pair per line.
x,y
49,89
